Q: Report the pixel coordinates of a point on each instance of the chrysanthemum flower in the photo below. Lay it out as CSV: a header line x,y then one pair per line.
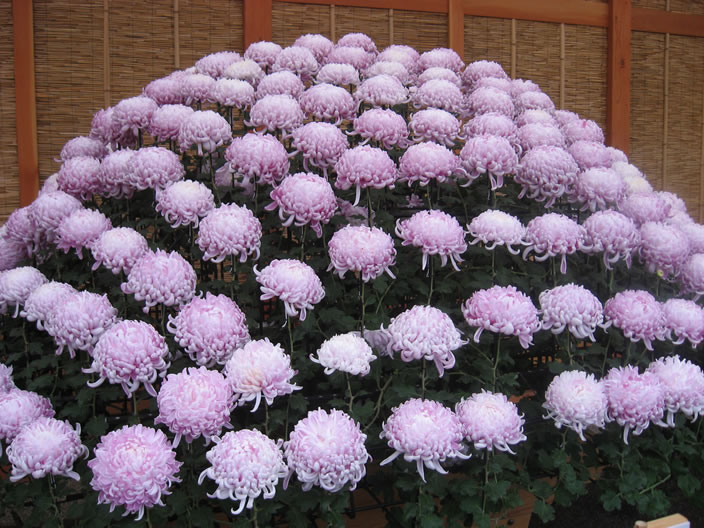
x,y
80,229
210,329
206,129
358,40
366,250
245,70
487,99
118,249
492,155
573,307
129,353
114,174
51,184
480,69
589,154
292,281
260,157
327,449
184,202
534,135
153,167
638,315
229,230
280,83
133,114
161,278
318,44
83,146
436,233
383,126
612,233
427,161
166,121
133,467
165,91
617,155
497,228
424,332
352,55
363,167
598,188
245,465
683,384
263,53
298,60
684,320
326,102
663,248
535,116
395,69
437,72
12,253
583,130
19,408
382,90
321,144
259,369
16,285
692,274
435,125
553,234
494,82
564,117
339,74
441,57
197,88
406,55
490,421
633,177
504,310
43,301
635,400
21,231
79,177
546,173
49,209
195,402
576,400
6,382
215,64
425,432
492,124
276,112
438,93
101,126
533,100
347,353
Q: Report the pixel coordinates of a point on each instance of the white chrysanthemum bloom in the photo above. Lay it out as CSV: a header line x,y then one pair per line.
x,y
490,421
347,353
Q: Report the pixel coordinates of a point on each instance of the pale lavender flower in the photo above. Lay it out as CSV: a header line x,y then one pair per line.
x,y
675,204
79,177
490,421
644,207
280,83
298,60
442,58
381,90
276,112
425,162
229,230
44,300
12,253
358,40
535,116
258,157
101,125
6,382
165,91
576,400
583,130
590,154
545,174
133,114
684,320
497,228
564,117
617,155
438,93
114,174
502,84
21,231
695,234
573,307
216,63
83,146
348,353
534,135
232,92
318,44
365,167
292,281
326,102
152,167
321,144
207,130
435,125
19,408
16,285
663,248
491,155
632,176
612,233
481,69
361,249
352,55
197,88
394,69
49,209
692,274
553,234
184,202
492,124
487,99
118,249
384,126
246,70
533,100
435,233
80,229
405,55
638,315
339,74
51,184
263,53
437,72
598,188
683,386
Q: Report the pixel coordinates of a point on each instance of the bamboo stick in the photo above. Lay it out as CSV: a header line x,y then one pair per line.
x,y
106,53
391,26
177,42
332,23
562,66
513,48
666,106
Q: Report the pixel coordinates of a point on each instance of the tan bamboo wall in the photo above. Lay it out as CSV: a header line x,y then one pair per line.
x,y
9,182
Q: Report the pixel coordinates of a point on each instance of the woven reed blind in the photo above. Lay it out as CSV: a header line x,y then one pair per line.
x,y
9,183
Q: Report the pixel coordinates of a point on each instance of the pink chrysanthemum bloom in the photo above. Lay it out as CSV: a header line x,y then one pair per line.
x,y
534,135
633,177
663,248
427,161
246,70
184,202
442,58
245,465
635,400
292,281
216,63
425,432
564,117
683,384
437,72
12,253
339,74
684,320
51,184
165,91
263,53
258,157
276,112
533,100
280,83
617,155
195,402
644,207
19,408
328,102
497,228
536,116
674,202
358,40
20,230
260,369
490,421
424,332
16,285
583,130
545,174
598,188
354,56
83,146
161,278
318,44
383,126
438,93
49,209
553,234
206,129
80,229
395,69
114,174
492,155
298,60
695,234
327,449
321,144
118,249
304,198
382,90
492,124
197,88
79,320
576,400
354,214
209,329
613,233
347,353
481,69
153,167
101,125
590,154
489,100
133,114
638,315
129,353
46,447
573,307
79,177
166,121
366,250
436,233
405,55
364,167
229,230
435,125
44,300
133,467
692,275
494,82
6,382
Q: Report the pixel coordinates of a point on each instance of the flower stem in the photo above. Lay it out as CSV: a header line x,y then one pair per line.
x,y
55,504
569,348
606,355
134,404
303,243
255,524
487,454
290,335
377,407
234,274
369,208
266,419
349,389
212,179
422,381
419,523
496,364
628,353
363,303
432,278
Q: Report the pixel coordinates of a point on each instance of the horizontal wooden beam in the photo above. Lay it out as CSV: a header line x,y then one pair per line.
x,y
659,21
582,12
427,6
257,21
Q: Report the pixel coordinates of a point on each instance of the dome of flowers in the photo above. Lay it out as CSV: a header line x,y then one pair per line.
x,y
367,250
210,329
184,202
441,58
114,174
234,93
425,432
83,146
152,167
207,130
590,154
598,188
683,385
133,467
118,249
638,315
381,90
245,465
133,114
263,53
427,161
583,130
326,102
504,310
297,59
364,167
259,369
347,353
318,44
292,281
383,126
166,122
229,230
79,177
435,233
321,144
612,233
481,69
16,285
553,234
434,125
49,209
19,408
684,320
663,248
80,229
43,300
438,93
546,173
339,74
486,100
493,155
358,40
576,400
497,228
490,421
573,307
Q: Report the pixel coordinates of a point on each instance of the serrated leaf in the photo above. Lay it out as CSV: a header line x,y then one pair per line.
x,y
544,510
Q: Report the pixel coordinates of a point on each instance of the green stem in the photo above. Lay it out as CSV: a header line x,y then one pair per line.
x,y
349,389
419,523
303,243
234,274
495,368
628,353
422,381
606,355
212,179
569,348
658,483
464,205
377,407
290,335
432,278
378,304
369,207
364,304
266,419
134,405
149,521
487,454
54,503
493,265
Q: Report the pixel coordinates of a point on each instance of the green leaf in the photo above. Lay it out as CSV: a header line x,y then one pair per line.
x,y
611,501
96,426
689,484
544,510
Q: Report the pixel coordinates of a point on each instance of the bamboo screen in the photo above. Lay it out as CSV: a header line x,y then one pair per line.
x,y
9,183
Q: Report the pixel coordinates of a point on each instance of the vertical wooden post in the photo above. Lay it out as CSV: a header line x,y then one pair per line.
x,y
25,100
618,103
455,22
391,27
257,21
